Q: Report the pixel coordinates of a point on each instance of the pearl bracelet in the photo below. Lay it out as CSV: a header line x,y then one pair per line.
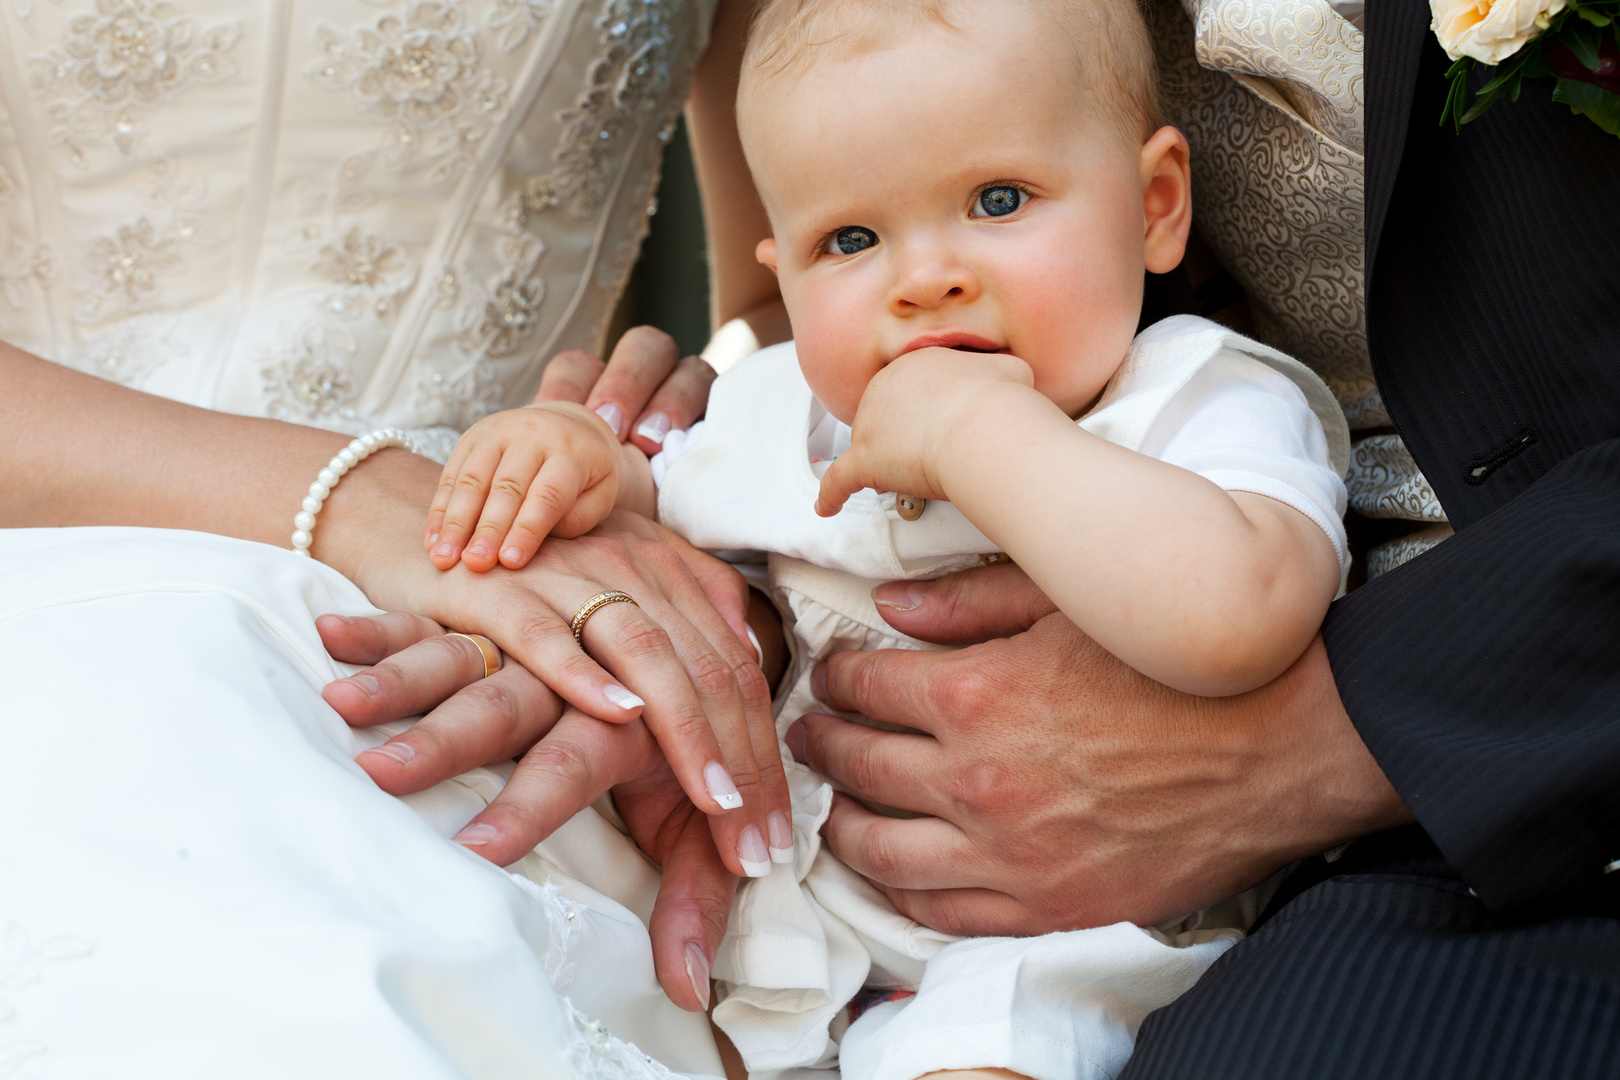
x,y
350,456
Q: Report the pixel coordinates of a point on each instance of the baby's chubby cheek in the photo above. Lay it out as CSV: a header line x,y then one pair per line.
x,y
838,377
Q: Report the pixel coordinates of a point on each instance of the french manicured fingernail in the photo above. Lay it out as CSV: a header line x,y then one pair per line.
x,y
753,639
818,683
654,428
402,752
476,835
368,684
795,743
781,837
512,554
621,697
900,595
751,853
697,971
722,789
612,414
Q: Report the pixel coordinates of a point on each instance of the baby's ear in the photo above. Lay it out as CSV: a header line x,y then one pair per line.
x,y
765,252
1166,198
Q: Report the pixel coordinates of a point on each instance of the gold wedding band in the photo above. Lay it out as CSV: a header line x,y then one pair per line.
x,y
592,606
492,655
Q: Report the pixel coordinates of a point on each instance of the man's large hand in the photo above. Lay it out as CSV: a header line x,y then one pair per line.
x,y
1067,790
566,760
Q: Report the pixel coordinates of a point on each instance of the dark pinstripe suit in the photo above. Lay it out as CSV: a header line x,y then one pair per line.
x,y
1485,675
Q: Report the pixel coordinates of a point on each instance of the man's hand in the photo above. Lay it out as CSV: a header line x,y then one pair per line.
x,y
1067,790
566,760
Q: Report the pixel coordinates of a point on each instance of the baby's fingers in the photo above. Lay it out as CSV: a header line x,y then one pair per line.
x,y
514,476
468,489
840,482
551,495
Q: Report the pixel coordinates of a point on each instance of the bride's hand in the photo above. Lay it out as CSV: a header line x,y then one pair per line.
x,y
676,659
566,761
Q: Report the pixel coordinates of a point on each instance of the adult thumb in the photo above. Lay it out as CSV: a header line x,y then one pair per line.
x,y
965,607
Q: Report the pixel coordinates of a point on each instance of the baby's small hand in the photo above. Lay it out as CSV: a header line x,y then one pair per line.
x,y
517,476
904,420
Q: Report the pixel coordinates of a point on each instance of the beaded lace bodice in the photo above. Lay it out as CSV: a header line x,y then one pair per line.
x,y
351,213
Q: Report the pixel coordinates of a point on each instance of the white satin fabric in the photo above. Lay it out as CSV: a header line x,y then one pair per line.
x,y
196,880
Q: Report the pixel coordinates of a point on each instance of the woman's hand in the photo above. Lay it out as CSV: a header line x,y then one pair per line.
x,y
676,659
905,419
646,391
566,760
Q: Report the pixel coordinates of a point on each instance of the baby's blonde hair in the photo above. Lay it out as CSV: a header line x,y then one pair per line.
x,y
1109,39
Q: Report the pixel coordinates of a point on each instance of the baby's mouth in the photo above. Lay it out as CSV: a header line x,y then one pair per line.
x,y
959,341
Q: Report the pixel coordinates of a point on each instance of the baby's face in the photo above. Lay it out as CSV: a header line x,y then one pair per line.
x,y
952,189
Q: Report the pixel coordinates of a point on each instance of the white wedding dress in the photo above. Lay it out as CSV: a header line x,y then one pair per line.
x,y
353,214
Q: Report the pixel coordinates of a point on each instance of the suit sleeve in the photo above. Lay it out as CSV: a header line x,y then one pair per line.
x,y
1484,676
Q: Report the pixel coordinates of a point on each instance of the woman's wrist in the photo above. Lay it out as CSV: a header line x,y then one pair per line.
x,y
370,528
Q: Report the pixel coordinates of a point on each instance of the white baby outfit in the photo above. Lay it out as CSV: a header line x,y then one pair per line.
x,y
800,946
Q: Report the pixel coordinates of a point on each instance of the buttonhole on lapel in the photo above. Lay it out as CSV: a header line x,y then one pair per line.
x,y
1479,470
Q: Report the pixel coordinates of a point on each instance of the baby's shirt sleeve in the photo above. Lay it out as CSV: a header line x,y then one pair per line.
x,y
1246,427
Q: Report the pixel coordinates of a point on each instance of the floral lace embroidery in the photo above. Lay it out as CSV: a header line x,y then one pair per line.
x,y
128,55
125,266
132,351
22,264
627,84
307,380
497,319
369,271
422,72
23,961
516,20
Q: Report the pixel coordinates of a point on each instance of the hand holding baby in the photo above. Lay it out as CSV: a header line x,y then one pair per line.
x,y
907,419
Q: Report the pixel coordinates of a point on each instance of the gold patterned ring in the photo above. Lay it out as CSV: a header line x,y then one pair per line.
x,y
492,655
592,606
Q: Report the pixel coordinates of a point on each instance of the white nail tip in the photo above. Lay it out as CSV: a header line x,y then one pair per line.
x,y
782,855
611,414
755,869
722,788
621,697
753,639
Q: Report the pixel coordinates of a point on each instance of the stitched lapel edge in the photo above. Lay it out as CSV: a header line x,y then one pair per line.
x,y
1396,30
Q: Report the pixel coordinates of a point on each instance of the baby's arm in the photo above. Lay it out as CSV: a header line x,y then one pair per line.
x,y
1208,591
522,474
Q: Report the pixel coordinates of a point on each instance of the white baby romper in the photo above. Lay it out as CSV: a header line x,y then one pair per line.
x,y
801,946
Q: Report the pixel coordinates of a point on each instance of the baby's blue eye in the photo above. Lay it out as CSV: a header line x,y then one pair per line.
x,y
851,239
1000,201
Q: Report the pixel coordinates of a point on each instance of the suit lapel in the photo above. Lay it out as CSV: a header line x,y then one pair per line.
x,y
1396,31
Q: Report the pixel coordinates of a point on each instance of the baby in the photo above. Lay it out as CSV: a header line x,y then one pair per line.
x,y
964,195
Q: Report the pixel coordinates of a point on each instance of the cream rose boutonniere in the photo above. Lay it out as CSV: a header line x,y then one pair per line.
x,y
1572,41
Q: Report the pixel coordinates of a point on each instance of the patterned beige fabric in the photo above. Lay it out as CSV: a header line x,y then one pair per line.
x,y
1270,96
348,213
